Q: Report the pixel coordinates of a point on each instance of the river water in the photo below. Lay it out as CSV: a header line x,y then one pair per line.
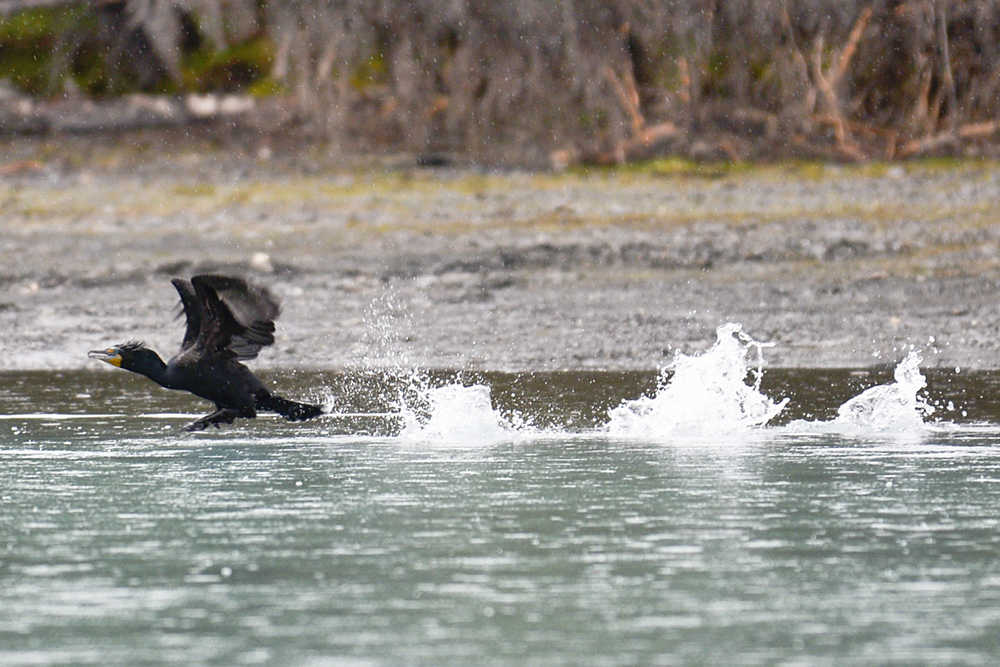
x,y
708,514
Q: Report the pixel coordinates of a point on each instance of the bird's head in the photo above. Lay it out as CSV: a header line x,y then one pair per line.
x,y
132,356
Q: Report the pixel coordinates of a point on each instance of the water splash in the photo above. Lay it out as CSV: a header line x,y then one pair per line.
x,y
715,393
707,394
889,407
454,414
428,413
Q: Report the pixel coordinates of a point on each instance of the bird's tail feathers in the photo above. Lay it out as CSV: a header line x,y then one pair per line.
x,y
290,410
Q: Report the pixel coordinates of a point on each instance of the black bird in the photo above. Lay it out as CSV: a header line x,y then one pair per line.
x,y
228,321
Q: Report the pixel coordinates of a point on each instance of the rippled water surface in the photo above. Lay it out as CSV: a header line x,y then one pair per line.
x,y
506,523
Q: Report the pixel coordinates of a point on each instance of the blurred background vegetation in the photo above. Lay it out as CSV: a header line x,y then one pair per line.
x,y
546,81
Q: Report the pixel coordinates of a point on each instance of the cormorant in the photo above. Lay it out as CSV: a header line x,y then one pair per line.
x,y
228,321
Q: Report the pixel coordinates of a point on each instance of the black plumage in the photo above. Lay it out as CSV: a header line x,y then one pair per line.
x,y
227,321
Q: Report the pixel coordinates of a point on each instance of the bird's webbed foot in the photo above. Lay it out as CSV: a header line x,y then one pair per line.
x,y
220,416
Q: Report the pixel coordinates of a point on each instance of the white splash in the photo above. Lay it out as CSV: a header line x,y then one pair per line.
x,y
706,395
893,407
454,414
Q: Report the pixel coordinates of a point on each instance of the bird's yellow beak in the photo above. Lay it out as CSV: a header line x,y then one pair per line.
x,y
109,355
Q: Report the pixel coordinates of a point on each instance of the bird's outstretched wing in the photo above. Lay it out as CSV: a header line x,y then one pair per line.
x,y
191,309
226,316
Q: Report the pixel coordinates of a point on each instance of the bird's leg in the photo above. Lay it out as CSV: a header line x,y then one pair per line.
x,y
220,416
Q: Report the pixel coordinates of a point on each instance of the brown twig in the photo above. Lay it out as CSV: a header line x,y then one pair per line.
x,y
941,19
20,167
967,131
651,135
628,97
828,80
978,130
624,151
847,53
684,74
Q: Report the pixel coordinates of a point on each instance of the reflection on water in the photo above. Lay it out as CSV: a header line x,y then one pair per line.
x,y
123,540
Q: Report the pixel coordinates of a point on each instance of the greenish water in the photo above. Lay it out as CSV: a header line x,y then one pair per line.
x,y
124,541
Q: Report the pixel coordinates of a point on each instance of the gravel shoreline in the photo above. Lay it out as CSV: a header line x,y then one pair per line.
x,y
380,263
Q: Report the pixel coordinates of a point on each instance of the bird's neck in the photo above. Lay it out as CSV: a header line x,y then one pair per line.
x,y
153,368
